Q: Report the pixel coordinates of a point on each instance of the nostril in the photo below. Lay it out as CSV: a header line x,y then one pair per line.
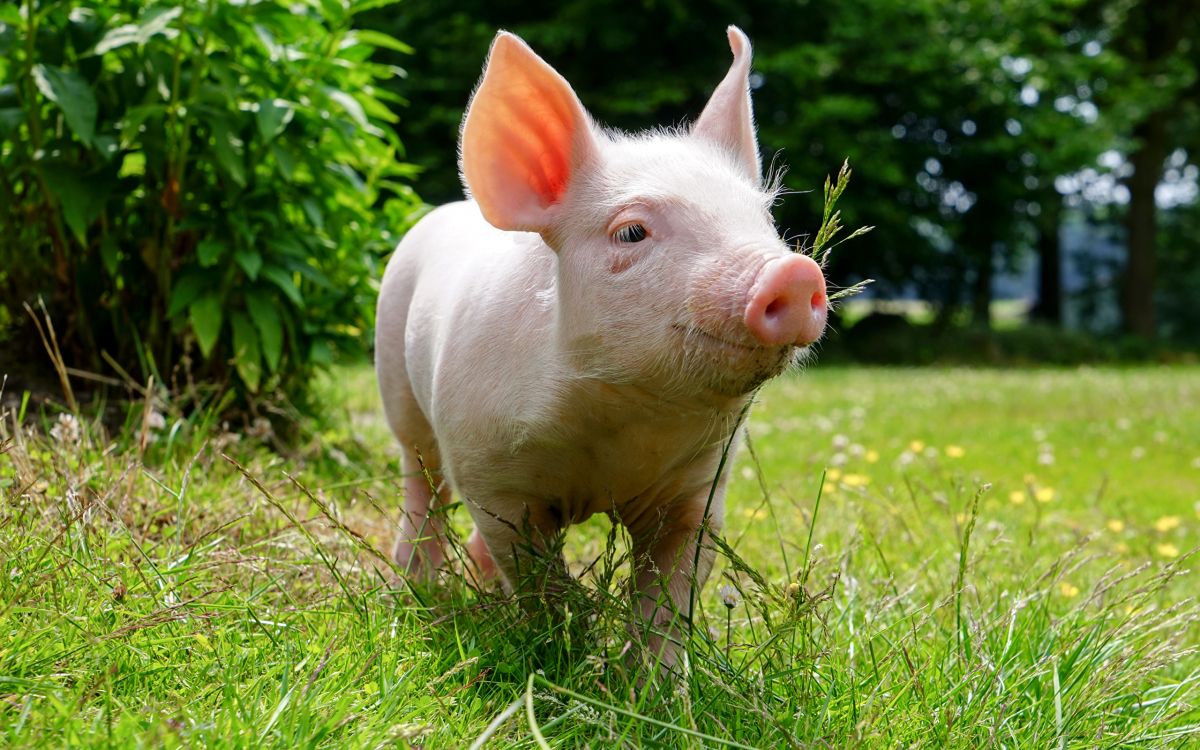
x,y
818,300
774,307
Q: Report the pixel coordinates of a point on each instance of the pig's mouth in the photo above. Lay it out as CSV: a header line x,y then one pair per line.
x,y
699,340
730,368
692,334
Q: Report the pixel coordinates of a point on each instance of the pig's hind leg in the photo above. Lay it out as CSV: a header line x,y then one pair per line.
x,y
419,547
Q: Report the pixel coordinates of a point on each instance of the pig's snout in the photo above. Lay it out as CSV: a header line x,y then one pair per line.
x,y
787,303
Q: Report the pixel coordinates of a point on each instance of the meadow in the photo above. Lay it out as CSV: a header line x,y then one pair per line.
x,y
912,558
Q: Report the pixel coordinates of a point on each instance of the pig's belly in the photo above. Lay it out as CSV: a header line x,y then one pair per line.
x,y
632,479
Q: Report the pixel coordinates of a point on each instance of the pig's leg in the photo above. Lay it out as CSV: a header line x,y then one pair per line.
x,y
518,541
665,565
481,557
419,546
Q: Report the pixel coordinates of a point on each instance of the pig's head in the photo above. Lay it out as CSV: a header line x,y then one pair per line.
x,y
671,274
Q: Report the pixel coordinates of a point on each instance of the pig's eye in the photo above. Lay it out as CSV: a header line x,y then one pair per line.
x,y
631,233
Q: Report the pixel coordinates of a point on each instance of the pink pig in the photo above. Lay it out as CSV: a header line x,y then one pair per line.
x,y
583,333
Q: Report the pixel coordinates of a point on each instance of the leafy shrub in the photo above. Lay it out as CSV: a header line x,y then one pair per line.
x,y
213,178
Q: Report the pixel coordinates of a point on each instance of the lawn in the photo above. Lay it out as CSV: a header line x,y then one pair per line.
x,y
930,558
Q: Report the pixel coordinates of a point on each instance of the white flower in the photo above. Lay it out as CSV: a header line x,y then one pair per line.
x,y
730,596
840,441
260,429
155,420
66,430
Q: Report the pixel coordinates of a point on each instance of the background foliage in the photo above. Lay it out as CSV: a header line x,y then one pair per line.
x,y
203,190
198,190
962,120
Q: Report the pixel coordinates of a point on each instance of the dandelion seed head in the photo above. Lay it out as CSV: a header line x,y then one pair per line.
x,y
730,596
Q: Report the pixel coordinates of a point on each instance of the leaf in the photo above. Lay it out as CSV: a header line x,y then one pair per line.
x,y
153,21
72,94
283,159
283,280
110,255
246,356
349,104
80,200
11,119
270,328
379,39
228,150
185,290
251,262
209,251
272,117
206,316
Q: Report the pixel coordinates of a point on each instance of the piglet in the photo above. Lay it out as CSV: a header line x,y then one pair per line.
x,y
584,332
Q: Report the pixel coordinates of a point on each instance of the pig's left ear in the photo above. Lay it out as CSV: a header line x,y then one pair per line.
x,y
728,117
524,137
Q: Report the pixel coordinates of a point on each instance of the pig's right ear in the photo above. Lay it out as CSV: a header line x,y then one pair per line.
x,y
524,136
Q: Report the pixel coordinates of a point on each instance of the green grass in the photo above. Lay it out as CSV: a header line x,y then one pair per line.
x,y
950,588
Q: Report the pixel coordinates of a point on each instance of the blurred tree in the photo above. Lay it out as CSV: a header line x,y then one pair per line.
x,y
958,116
1158,40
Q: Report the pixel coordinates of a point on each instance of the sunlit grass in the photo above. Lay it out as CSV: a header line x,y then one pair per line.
x,y
995,559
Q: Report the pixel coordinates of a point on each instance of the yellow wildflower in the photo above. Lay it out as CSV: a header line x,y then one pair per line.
x,y
1044,494
873,456
828,488
1167,523
1067,589
856,480
833,474
1017,497
1166,550
916,446
955,451
1115,525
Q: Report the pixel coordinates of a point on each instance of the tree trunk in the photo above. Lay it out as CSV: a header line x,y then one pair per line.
x,y
1049,308
1137,292
981,289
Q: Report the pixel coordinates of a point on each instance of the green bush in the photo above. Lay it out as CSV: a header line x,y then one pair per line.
x,y
208,178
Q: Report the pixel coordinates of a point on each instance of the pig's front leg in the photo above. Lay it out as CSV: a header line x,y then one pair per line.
x,y
665,566
518,540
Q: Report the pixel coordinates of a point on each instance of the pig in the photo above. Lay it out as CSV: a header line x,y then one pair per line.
x,y
585,331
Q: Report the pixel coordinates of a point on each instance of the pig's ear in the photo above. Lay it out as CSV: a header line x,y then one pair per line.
x,y
728,117
524,136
